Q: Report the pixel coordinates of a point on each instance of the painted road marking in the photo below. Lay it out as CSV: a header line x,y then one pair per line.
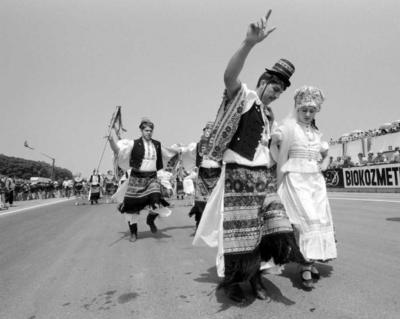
x,y
33,207
365,199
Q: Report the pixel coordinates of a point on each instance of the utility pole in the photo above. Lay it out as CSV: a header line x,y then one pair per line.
x,y
53,160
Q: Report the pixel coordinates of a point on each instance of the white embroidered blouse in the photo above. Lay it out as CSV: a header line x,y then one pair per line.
x,y
124,155
305,149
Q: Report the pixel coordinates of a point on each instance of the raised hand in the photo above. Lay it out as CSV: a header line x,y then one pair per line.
x,y
258,31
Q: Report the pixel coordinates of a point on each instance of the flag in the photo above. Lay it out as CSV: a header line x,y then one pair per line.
x,y
117,123
27,145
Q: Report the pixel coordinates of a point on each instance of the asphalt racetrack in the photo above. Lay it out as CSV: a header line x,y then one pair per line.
x,y
66,261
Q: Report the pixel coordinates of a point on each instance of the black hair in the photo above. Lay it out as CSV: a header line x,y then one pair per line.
x,y
147,123
313,125
271,78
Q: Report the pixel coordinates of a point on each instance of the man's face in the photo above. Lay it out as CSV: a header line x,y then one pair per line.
x,y
269,92
147,133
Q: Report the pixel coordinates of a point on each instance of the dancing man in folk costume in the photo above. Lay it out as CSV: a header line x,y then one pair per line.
x,y
180,175
78,188
243,216
110,185
208,174
142,189
94,182
302,186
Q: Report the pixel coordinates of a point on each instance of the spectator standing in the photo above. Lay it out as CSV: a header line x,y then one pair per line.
x,y
338,162
330,163
396,155
2,192
10,187
361,159
370,159
347,162
380,158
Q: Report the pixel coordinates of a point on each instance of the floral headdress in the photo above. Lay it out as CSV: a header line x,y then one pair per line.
x,y
309,96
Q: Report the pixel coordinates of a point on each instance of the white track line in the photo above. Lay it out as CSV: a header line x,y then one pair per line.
x,y
365,199
33,207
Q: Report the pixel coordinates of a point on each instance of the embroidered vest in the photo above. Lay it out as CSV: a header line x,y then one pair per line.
x,y
248,134
137,154
199,157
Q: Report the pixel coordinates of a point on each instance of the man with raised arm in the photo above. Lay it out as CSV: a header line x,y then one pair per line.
x,y
244,217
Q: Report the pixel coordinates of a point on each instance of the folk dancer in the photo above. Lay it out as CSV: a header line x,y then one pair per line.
x,y
302,186
94,183
142,189
208,174
78,188
244,217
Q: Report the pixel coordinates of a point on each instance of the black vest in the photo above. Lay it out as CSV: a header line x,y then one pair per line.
x,y
98,178
248,134
137,154
199,157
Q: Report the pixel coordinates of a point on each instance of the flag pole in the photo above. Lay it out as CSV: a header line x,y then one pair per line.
x,y
108,136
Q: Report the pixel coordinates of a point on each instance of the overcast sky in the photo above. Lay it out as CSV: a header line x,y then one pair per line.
x,y
65,65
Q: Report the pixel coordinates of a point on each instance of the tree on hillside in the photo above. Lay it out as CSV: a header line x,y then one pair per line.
x,y
25,169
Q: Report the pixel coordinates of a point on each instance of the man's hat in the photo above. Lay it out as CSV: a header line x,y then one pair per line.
x,y
147,122
284,69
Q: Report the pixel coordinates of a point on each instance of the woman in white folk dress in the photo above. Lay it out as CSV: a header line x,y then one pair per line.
x,y
302,186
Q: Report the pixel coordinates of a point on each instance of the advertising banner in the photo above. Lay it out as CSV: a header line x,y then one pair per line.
x,y
382,176
334,177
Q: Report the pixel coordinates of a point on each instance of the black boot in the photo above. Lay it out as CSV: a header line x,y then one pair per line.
x,y
198,218
150,221
133,229
234,292
258,288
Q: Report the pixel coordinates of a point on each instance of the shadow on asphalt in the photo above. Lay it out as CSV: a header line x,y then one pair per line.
x,y
225,303
292,272
161,234
393,219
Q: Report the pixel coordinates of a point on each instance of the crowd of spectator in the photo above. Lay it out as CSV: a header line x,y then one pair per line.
x,y
359,134
371,159
15,189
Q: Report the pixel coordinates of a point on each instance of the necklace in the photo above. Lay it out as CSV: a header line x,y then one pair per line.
x,y
308,132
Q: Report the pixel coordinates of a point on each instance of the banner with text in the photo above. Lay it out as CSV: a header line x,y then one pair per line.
x,y
382,176
334,177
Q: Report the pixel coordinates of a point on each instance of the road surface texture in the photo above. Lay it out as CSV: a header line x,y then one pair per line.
x,y
66,261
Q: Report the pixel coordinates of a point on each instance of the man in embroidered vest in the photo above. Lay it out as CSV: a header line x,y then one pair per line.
x,y
94,182
207,176
143,156
244,217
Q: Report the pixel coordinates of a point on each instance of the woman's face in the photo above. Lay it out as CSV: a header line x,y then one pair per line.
x,y
306,114
147,132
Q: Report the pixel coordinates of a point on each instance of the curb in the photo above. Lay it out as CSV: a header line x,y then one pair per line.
x,y
8,212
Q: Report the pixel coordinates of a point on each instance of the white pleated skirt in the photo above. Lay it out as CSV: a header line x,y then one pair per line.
x,y
306,202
